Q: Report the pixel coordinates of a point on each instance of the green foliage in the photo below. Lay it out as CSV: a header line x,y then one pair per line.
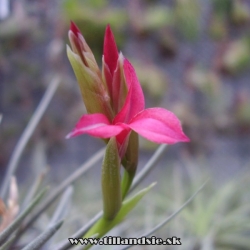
x,y
103,225
44,237
223,8
236,57
16,223
187,13
218,217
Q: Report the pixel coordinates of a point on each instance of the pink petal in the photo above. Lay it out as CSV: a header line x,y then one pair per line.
x,y
132,80
134,102
110,50
96,125
123,135
158,125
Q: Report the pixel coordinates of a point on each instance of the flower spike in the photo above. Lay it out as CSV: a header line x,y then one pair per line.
x,y
126,98
116,107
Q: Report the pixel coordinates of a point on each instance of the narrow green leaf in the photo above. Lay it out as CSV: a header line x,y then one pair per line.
x,y
7,244
234,241
61,210
33,189
159,226
58,190
22,142
44,237
66,244
15,224
149,166
103,226
63,206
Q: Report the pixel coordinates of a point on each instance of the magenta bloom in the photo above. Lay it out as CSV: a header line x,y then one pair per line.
x,y
127,102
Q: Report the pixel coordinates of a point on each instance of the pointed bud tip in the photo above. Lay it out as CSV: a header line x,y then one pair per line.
x,y
110,50
109,33
74,28
108,28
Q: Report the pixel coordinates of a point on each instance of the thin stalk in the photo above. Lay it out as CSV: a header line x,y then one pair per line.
x,y
66,244
16,223
33,189
149,166
21,144
55,193
164,222
60,212
38,242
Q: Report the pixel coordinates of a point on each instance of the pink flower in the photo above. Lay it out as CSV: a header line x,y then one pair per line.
x,y
127,101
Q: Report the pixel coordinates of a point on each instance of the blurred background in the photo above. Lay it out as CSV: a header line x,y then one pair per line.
x,y
192,57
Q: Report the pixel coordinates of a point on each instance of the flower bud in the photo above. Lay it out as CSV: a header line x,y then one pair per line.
x,y
111,181
94,92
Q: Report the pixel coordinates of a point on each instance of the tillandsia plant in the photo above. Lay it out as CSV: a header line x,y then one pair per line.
x,y
115,105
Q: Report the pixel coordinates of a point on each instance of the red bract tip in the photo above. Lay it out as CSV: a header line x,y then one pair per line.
x,y
110,50
74,28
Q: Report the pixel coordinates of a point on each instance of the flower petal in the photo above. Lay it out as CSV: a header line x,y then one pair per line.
x,y
137,96
96,125
158,125
110,50
134,102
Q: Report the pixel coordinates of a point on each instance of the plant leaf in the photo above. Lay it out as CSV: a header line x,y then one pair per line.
x,y
36,117
15,224
103,226
55,193
6,244
44,237
159,226
64,245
